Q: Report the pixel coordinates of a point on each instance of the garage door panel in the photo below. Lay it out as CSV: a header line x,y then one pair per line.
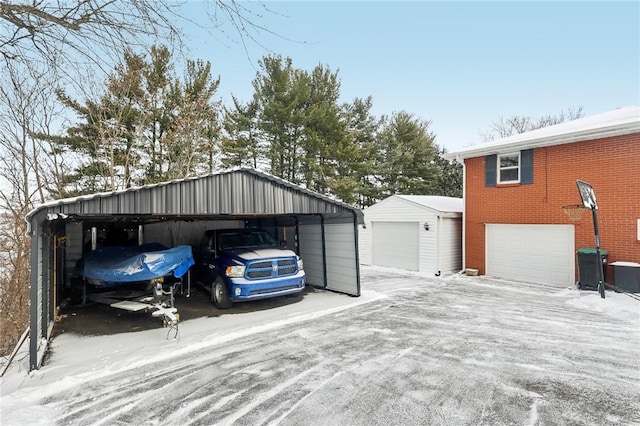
x,y
395,244
534,253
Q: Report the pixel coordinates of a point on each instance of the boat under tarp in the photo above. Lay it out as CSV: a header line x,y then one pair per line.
x,y
114,266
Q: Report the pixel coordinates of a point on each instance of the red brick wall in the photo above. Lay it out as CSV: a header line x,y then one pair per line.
x,y
611,166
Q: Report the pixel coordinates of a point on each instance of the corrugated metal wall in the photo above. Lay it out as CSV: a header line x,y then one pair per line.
x,y
238,192
311,243
341,248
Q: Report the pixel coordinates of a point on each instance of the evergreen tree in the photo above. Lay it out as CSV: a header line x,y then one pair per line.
x,y
358,183
408,156
240,146
325,144
192,143
148,126
450,177
282,94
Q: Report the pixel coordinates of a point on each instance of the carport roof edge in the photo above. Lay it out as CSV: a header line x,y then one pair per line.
x,y
242,170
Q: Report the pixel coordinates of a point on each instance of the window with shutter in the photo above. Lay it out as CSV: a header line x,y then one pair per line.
x,y
514,167
490,170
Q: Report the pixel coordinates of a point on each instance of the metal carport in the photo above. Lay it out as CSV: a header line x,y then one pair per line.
x,y
325,230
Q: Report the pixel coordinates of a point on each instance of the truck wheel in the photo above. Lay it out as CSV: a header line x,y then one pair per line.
x,y
220,294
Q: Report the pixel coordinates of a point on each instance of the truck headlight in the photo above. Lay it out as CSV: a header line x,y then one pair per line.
x,y
235,271
300,264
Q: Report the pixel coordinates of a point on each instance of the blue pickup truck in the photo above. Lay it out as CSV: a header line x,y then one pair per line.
x,y
246,264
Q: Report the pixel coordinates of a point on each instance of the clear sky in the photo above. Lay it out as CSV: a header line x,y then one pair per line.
x,y
460,65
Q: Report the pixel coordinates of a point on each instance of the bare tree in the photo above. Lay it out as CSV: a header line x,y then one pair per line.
x,y
505,127
96,32
25,105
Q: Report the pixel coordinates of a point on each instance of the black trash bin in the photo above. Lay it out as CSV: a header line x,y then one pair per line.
x,y
588,268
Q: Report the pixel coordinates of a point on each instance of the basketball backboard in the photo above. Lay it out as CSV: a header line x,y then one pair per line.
x,y
587,195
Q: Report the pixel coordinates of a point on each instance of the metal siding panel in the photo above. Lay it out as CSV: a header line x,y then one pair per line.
x,y
173,198
199,199
142,202
127,202
187,198
237,192
342,264
36,285
106,205
311,252
73,249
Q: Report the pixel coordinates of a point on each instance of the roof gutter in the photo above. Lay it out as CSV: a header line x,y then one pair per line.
x,y
527,143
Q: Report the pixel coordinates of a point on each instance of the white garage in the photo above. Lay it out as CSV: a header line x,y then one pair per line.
x,y
542,254
413,232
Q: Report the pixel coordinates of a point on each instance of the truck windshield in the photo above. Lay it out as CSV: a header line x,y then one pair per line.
x,y
245,239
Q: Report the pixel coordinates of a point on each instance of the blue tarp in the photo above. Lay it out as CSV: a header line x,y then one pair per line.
x,y
110,266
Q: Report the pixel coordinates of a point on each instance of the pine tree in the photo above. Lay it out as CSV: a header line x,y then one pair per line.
x,y
241,145
408,156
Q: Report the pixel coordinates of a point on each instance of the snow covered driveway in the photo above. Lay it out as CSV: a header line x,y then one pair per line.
x,y
413,350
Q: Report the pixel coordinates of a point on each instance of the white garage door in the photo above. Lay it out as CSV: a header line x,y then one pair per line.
x,y
534,253
395,244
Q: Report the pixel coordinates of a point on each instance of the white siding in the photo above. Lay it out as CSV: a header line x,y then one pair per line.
x,y
364,244
450,245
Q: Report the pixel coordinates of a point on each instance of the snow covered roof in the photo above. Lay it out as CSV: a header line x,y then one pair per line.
x,y
621,121
436,202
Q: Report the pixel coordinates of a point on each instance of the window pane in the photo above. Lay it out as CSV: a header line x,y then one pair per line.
x,y
509,175
509,160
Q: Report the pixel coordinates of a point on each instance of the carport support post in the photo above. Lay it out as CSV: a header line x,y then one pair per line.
x,y
600,264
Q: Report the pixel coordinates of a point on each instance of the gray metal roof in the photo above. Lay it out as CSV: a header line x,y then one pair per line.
x,y
242,191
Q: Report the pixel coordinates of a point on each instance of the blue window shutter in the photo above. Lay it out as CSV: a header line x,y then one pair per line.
x,y
526,166
490,162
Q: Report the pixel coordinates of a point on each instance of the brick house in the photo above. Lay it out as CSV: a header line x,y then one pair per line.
x,y
515,188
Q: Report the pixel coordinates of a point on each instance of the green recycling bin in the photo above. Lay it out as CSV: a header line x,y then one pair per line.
x,y
588,268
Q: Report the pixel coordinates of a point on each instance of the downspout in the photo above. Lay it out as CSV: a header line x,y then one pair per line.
x,y
324,252
464,212
357,249
34,334
438,224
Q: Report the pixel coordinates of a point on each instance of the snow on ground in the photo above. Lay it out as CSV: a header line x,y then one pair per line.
x,y
413,349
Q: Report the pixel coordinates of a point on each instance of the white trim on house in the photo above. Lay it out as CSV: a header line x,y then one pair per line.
x,y
619,122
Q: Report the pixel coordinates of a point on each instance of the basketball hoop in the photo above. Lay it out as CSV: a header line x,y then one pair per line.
x,y
574,211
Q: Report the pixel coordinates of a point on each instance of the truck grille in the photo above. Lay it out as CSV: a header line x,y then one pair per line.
x,y
271,268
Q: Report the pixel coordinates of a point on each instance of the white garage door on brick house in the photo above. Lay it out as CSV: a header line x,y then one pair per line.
x,y
542,254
